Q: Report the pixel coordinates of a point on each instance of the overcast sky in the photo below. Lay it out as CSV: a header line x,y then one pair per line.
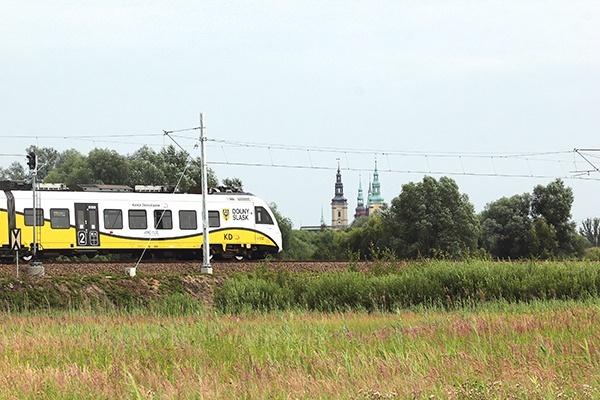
x,y
288,89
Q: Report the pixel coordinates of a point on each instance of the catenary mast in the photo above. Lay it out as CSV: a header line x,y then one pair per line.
x,y
206,267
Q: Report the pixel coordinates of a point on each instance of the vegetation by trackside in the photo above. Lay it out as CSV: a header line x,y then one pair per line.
x,y
377,286
400,285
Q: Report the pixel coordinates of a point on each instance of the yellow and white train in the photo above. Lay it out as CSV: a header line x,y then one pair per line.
x,y
106,219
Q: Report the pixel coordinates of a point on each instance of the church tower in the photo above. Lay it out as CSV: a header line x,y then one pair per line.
x,y
375,198
361,210
339,204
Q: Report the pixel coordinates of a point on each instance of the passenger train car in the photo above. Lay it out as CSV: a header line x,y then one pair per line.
x,y
106,219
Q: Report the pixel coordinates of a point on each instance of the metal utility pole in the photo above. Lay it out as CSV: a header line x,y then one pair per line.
x,y
206,267
33,187
35,267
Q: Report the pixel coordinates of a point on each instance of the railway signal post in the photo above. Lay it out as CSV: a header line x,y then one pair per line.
x,y
35,266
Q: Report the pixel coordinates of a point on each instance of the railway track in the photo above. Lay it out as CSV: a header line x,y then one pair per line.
x,y
53,269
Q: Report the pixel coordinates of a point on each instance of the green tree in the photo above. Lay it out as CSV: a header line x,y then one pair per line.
x,y
168,167
553,202
590,229
108,166
71,168
545,243
431,218
300,246
365,237
234,184
14,172
285,226
181,170
330,244
146,167
507,228
144,172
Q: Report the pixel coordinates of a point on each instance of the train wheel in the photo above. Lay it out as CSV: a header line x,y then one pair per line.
x,y
239,257
27,257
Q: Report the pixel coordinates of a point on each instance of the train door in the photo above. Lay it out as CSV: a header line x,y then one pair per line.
x,y
86,223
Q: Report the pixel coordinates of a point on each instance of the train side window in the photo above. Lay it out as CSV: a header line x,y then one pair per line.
x,y
137,219
163,219
39,220
214,219
262,216
59,218
113,219
188,219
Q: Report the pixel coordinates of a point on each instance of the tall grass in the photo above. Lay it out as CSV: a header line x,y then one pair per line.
x,y
509,350
382,287
430,283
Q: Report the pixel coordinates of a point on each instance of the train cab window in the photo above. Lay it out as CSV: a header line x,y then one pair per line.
x,y
163,219
188,219
214,219
262,216
39,220
113,219
137,219
59,218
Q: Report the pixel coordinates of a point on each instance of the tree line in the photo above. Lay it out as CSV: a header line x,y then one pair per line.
x,y
431,218
167,167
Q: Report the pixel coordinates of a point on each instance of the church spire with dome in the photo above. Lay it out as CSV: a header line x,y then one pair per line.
x,y
339,204
375,198
360,210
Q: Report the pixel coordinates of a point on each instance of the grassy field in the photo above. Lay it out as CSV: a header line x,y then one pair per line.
x,y
542,350
423,330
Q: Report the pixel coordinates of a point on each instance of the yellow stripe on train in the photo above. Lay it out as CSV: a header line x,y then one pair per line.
x,y
60,239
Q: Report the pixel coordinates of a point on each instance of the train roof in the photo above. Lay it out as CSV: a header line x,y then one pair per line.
x,y
93,187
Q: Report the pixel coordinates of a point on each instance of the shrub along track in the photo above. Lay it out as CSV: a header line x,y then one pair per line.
x,y
76,284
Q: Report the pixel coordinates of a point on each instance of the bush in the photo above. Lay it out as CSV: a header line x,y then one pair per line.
x,y
592,254
427,283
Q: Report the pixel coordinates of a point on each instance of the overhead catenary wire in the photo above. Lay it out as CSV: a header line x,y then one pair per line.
x,y
578,151
181,175
383,151
275,146
292,147
494,157
403,171
539,157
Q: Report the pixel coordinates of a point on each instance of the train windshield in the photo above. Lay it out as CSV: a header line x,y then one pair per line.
x,y
262,216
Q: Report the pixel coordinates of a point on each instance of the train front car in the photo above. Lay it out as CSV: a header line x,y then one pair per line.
x,y
242,226
146,220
